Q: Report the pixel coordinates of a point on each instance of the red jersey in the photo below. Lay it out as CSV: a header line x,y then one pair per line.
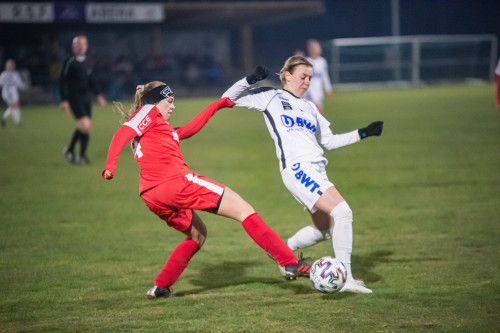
x,y
156,143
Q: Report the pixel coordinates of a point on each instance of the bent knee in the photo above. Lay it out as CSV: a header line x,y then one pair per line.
x,y
84,125
342,213
197,237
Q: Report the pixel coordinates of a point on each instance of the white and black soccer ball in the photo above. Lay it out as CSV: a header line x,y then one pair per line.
x,y
328,275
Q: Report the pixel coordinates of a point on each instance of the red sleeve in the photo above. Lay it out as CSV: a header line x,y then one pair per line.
x,y
202,118
120,139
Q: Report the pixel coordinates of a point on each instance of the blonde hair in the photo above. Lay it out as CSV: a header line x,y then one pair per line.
x,y
140,91
292,63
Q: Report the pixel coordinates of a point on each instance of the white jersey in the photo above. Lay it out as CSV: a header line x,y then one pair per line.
x,y
295,124
11,82
320,82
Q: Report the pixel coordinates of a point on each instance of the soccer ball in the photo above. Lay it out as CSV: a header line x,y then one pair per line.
x,y
328,274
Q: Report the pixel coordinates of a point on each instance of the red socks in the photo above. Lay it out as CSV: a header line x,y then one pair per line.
x,y
176,263
260,232
269,240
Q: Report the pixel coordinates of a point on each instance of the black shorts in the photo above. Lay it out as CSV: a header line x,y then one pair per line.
x,y
81,106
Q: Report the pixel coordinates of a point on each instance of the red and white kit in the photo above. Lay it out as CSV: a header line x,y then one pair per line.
x,y
166,184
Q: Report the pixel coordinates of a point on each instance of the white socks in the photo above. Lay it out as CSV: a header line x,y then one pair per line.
x,y
307,236
342,235
15,113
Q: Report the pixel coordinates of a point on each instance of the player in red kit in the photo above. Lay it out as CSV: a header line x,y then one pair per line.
x,y
173,192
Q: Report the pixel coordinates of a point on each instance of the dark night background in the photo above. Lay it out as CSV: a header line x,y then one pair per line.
x,y
371,18
32,44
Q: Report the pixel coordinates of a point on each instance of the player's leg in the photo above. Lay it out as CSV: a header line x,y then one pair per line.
x,y
179,258
8,98
306,182
233,206
69,151
5,116
81,109
312,234
16,113
342,236
76,110
84,126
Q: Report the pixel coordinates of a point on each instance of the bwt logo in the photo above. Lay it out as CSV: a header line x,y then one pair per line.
x,y
144,123
299,122
304,179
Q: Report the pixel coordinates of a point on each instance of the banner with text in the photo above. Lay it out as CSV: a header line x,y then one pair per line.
x,y
40,12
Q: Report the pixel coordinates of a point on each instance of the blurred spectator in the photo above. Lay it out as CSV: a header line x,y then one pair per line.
x,y
122,69
192,75
55,66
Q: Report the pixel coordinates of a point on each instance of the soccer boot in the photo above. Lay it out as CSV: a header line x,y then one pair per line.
x,y
159,292
69,156
291,272
353,286
83,160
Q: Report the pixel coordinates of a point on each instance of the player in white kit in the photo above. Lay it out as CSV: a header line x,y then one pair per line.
x,y
320,82
298,129
11,82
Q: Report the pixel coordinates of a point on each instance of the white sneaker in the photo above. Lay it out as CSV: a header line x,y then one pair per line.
x,y
354,287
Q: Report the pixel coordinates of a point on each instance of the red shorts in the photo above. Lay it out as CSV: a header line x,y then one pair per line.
x,y
173,201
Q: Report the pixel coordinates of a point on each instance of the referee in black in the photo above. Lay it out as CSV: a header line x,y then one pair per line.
x,y
76,86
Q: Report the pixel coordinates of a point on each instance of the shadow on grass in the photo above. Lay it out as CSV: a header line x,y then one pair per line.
x,y
235,273
362,266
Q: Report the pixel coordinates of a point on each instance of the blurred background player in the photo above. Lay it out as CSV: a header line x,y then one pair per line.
x,y
76,87
172,191
298,129
11,82
320,82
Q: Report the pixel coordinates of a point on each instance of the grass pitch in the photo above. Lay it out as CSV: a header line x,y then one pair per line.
x,y
77,253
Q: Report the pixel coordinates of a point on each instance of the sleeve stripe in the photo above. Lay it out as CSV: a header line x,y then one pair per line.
x,y
137,119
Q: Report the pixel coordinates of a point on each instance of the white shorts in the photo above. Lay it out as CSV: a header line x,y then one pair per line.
x,y
307,182
10,96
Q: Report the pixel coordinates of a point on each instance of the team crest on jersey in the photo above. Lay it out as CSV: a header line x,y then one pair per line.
x,y
286,105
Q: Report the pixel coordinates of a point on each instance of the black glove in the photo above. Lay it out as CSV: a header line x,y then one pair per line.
x,y
260,73
374,128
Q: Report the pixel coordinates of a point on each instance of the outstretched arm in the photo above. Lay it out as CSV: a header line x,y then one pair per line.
x,y
260,73
120,139
197,123
333,141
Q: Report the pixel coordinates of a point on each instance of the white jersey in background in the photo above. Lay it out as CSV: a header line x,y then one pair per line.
x,y
295,124
11,82
320,81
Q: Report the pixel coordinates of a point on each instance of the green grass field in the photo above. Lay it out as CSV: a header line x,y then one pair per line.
x,y
77,253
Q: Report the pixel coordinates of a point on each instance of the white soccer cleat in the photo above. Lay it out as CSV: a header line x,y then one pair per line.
x,y
353,286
